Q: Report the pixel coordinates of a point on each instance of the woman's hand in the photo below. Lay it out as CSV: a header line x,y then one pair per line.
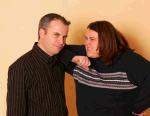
x,y
141,114
82,61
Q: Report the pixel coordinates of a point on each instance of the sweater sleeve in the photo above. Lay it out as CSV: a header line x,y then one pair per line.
x,y
68,53
16,100
139,69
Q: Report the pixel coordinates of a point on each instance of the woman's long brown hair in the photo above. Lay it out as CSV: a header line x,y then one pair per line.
x,y
111,41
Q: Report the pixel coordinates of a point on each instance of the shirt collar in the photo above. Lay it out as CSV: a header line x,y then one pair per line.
x,y
43,55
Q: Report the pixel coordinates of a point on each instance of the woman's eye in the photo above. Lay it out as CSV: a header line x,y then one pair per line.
x,y
92,39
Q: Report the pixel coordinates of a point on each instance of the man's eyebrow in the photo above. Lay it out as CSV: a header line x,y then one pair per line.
x,y
57,33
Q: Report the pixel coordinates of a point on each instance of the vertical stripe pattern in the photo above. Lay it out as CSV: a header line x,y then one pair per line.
x,y
36,86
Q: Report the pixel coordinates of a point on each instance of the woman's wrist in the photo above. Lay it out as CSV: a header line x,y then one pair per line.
x,y
136,114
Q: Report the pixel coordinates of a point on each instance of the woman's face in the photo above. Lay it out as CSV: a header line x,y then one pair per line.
x,y
92,43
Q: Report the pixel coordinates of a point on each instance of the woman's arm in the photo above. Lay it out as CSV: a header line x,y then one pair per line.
x,y
139,69
73,55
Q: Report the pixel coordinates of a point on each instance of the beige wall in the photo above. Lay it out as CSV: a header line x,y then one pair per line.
x,y
19,21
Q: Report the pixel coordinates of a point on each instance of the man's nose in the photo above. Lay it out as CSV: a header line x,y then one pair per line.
x,y
61,40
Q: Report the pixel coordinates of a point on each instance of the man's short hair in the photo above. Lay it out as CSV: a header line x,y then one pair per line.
x,y
46,19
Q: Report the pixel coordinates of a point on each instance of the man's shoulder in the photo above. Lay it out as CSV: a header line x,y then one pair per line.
x,y
23,60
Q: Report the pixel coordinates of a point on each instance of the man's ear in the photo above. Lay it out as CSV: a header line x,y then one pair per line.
x,y
42,33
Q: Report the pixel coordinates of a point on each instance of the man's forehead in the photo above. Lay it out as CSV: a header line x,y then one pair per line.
x,y
56,22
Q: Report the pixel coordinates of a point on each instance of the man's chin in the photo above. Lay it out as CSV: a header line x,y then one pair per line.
x,y
57,52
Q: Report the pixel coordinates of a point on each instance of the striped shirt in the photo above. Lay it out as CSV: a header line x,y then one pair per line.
x,y
36,86
91,77
110,90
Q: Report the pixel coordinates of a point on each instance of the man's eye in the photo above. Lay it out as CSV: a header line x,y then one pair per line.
x,y
56,35
64,37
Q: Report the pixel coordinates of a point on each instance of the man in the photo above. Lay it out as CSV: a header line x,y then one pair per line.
x,y
36,80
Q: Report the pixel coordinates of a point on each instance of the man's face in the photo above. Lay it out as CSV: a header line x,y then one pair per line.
x,y
53,38
91,43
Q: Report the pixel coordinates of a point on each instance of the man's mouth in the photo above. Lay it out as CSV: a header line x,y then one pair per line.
x,y
59,46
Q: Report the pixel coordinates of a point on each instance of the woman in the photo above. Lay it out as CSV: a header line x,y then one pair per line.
x,y
117,82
